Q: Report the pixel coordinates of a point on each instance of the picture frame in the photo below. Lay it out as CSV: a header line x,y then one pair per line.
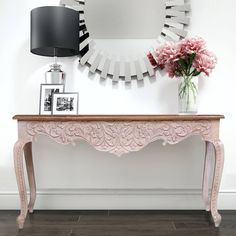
x,y
46,95
65,103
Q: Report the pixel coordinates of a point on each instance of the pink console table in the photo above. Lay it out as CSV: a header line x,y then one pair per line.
x,y
119,135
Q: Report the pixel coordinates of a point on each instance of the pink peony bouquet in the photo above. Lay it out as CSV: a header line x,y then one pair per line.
x,y
186,58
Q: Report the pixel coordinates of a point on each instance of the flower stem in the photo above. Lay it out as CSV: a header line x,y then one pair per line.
x,y
186,87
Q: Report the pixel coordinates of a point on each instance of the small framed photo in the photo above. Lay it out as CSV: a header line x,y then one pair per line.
x,y
65,104
46,94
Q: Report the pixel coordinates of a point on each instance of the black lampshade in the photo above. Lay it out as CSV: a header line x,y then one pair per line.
x,y
54,31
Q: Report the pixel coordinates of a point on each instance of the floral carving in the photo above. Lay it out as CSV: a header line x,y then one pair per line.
x,y
118,137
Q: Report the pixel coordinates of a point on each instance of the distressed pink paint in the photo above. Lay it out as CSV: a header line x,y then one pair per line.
x,y
119,137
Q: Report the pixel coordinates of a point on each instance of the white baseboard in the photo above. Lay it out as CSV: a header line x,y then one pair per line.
x,y
119,199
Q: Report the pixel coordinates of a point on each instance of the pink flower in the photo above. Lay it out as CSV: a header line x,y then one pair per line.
x,y
171,69
192,45
205,62
184,58
167,53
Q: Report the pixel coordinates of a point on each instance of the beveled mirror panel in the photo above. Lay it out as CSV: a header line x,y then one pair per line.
x,y
115,36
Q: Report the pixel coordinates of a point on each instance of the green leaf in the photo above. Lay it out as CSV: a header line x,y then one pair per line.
x,y
183,64
196,72
191,58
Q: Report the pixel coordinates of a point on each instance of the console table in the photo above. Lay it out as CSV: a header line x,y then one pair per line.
x,y
119,135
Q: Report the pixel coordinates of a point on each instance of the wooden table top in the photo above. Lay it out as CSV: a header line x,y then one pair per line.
x,y
64,118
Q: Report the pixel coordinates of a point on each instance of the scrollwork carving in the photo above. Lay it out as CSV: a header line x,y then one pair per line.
x,y
119,137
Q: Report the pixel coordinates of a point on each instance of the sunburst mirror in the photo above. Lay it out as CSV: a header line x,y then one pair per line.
x,y
116,36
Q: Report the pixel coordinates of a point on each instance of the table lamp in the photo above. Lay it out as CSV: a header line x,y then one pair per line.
x,y
55,33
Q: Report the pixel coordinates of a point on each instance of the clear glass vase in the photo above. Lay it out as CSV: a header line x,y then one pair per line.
x,y
187,95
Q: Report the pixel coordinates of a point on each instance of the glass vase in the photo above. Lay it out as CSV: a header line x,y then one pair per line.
x,y
187,95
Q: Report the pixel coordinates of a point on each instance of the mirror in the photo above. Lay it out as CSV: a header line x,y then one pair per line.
x,y
121,32
124,19
116,35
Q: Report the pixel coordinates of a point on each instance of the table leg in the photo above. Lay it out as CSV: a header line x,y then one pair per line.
x,y
19,170
219,163
206,185
31,176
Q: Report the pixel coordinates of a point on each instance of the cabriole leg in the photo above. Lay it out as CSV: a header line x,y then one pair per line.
x,y
19,170
31,175
206,185
219,163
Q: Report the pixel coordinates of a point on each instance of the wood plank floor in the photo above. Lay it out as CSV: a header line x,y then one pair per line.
x,y
118,223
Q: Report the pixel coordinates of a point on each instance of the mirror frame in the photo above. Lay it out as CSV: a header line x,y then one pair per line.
x,y
174,29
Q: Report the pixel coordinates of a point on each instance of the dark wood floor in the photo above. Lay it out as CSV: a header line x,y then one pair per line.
x,y
118,223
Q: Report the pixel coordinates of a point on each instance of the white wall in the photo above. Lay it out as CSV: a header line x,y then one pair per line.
x,y
80,177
